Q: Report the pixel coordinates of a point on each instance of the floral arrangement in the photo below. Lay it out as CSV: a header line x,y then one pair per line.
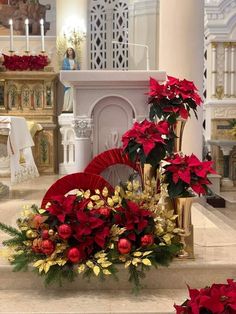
x,y
25,63
172,100
184,174
97,228
217,299
91,233
148,142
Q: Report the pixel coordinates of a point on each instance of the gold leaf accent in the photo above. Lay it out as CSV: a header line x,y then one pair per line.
x,y
96,270
127,264
81,268
137,254
105,192
146,262
100,254
136,261
41,211
147,253
106,264
110,202
90,205
99,203
38,263
97,191
115,199
106,272
95,197
90,264
87,194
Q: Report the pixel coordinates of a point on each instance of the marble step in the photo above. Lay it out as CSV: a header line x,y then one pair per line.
x,y
90,302
196,273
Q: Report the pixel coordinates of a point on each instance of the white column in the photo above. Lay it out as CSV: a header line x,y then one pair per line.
x,y
213,68
143,29
226,69
232,70
71,152
73,11
83,145
181,55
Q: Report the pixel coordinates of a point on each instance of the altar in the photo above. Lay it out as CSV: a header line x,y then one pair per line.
x,y
106,103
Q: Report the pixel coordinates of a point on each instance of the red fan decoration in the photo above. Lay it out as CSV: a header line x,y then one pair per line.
x,y
73,181
109,158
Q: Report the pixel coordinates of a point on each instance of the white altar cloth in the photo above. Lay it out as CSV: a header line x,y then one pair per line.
x,y
19,145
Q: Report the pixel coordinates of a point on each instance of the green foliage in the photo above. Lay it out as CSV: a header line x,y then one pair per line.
x,y
58,274
9,230
22,261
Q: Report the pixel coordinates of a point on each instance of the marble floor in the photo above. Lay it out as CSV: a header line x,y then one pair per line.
x,y
215,256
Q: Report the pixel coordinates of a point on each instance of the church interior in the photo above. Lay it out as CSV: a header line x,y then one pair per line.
x,y
75,76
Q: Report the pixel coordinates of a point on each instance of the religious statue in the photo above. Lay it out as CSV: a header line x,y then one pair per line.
x,y
69,63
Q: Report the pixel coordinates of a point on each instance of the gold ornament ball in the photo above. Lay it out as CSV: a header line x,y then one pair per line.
x,y
50,232
29,234
34,235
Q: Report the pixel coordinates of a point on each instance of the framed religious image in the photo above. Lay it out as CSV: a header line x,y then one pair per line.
x,y
34,11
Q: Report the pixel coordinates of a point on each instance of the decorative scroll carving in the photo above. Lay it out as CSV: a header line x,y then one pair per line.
x,y
83,128
224,113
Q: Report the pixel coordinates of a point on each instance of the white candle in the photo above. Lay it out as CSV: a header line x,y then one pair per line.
x,y
11,34
42,34
27,34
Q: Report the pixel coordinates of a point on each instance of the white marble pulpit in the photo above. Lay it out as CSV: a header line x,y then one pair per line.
x,y
106,103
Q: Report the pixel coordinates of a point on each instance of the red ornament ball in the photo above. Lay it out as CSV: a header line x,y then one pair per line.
x,y
47,247
124,246
64,231
45,234
105,211
36,247
147,240
74,255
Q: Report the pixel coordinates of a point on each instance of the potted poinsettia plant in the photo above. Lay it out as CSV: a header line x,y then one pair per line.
x,y
172,100
217,299
186,174
148,142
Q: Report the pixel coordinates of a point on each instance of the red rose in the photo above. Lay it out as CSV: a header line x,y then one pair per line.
x,y
147,240
105,211
124,246
64,231
74,255
47,247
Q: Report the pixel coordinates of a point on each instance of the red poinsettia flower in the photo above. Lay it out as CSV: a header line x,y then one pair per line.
x,y
184,172
133,218
24,63
217,299
176,98
61,206
146,133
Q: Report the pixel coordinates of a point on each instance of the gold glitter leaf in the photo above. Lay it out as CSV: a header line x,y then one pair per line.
x,y
96,270
105,192
146,262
